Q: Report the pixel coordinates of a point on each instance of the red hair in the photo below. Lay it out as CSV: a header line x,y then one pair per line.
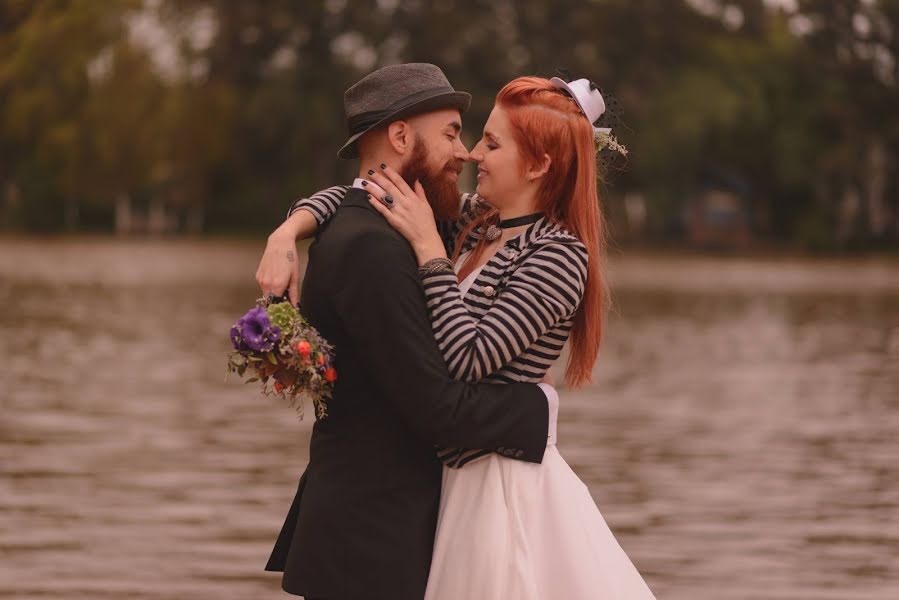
x,y
545,120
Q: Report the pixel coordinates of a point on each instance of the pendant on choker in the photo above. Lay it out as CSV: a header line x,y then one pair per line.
x,y
494,231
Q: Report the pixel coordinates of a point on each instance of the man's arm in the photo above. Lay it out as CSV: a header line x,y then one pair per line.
x,y
383,306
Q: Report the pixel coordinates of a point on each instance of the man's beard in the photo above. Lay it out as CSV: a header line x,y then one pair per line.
x,y
441,189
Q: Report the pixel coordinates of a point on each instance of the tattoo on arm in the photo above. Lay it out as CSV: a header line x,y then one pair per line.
x,y
290,255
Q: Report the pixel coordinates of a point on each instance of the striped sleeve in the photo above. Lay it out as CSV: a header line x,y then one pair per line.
x,y
470,206
544,291
321,204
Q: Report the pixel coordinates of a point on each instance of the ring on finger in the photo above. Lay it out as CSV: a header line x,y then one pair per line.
x,y
388,201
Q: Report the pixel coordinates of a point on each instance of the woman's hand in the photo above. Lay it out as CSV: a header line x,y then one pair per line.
x,y
280,265
410,213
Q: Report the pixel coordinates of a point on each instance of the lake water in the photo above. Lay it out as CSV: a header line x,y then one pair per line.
x,y
741,440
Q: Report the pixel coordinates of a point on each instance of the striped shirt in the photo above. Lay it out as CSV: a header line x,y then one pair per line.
x,y
516,317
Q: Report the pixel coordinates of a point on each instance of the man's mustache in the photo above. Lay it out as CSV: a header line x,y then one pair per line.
x,y
455,166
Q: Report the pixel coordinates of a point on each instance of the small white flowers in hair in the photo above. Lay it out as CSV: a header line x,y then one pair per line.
x,y
606,141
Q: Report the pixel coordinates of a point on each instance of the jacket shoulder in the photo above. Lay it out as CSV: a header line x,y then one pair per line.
x,y
557,234
334,190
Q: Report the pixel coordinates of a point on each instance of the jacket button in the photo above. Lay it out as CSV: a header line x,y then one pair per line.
x,y
489,291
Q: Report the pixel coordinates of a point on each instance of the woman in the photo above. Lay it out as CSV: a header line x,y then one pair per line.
x,y
518,291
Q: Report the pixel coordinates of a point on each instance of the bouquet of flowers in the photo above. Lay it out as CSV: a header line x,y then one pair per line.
x,y
286,354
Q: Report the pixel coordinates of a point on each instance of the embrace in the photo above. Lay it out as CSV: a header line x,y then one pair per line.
x,y
435,474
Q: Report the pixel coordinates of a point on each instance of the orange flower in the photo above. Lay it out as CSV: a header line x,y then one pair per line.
x,y
278,386
331,375
303,348
320,360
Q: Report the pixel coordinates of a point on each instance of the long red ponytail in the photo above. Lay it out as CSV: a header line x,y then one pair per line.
x,y
547,121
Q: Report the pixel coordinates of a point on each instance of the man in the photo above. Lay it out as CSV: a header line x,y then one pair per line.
x,y
363,519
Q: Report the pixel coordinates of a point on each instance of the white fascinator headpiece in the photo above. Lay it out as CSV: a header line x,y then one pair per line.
x,y
588,97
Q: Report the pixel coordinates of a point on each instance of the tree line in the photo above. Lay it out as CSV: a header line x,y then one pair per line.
x,y
212,116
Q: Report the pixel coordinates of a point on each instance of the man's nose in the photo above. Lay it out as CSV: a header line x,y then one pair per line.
x,y
461,152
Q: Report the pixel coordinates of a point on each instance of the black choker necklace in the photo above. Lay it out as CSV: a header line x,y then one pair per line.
x,y
494,231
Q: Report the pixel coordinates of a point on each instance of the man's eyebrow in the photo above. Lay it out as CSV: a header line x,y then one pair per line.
x,y
456,126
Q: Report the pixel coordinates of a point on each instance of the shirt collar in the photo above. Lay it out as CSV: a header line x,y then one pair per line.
x,y
357,183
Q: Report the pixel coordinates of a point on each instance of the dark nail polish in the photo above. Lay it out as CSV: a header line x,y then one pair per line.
x,y
371,172
364,183
383,166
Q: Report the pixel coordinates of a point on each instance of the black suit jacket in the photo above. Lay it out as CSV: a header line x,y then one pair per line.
x,y
363,520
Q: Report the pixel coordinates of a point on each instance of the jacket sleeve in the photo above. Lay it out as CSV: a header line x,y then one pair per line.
x,y
542,292
470,207
380,299
324,204
321,204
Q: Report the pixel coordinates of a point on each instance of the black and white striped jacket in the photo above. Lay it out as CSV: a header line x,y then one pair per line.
x,y
517,315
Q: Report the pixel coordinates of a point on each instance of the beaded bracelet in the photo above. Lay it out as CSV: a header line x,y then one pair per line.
x,y
435,265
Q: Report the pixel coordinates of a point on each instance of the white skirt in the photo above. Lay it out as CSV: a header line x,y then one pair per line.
x,y
511,530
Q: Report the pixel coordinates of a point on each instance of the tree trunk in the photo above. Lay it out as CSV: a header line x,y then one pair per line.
x,y
156,219
196,215
123,217
876,183
847,214
71,214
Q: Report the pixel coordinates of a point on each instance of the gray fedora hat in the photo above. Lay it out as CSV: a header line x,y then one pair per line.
x,y
395,92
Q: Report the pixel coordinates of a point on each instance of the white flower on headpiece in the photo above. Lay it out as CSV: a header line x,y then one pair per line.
x,y
606,141
590,100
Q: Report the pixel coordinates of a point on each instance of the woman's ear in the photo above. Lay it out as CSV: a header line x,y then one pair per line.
x,y
539,170
399,136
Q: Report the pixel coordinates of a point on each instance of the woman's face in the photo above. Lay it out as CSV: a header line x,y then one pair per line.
x,y
501,174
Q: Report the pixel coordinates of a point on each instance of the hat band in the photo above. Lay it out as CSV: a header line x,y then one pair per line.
x,y
363,121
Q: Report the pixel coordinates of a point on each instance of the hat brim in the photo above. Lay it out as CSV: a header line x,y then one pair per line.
x,y
562,84
458,100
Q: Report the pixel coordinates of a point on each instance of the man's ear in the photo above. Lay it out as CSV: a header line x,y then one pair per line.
x,y
400,137
539,170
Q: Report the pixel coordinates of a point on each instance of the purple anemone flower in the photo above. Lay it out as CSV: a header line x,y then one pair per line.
x,y
236,340
255,331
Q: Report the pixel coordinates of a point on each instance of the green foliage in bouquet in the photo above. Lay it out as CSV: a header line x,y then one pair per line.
x,y
286,353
